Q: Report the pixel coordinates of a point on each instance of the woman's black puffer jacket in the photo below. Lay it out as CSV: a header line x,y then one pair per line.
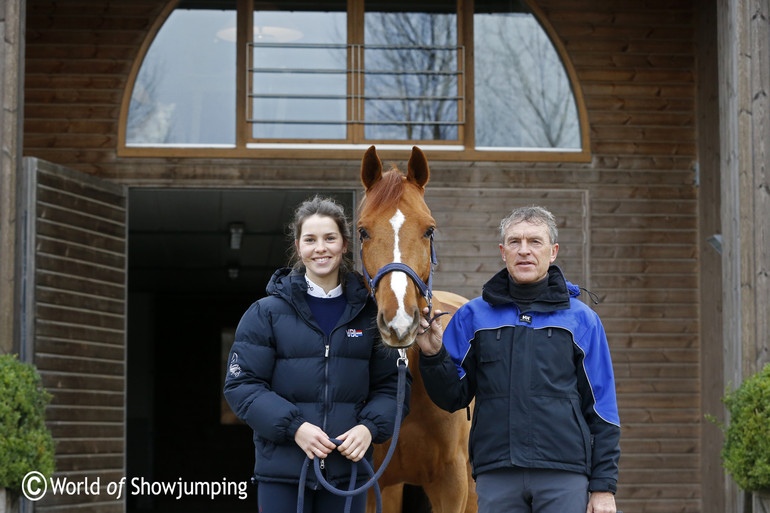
x,y
283,370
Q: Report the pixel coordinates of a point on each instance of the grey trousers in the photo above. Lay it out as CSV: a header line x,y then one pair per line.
x,y
525,490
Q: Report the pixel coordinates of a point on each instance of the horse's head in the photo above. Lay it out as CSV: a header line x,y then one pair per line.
x,y
396,227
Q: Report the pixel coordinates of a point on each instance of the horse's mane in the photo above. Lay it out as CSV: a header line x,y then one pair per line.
x,y
386,193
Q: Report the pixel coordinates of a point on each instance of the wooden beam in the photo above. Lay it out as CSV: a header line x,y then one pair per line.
x,y
744,86
710,286
12,22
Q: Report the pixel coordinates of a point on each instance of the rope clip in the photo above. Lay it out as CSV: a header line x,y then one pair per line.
x,y
402,358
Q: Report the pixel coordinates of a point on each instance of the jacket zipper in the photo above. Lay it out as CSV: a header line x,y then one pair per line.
x,y
327,349
327,406
327,345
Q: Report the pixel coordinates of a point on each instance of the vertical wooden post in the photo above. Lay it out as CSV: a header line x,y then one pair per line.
x,y
744,84
731,69
760,186
712,385
12,14
8,504
744,90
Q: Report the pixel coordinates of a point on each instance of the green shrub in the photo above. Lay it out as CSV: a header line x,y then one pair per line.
x,y
25,441
746,450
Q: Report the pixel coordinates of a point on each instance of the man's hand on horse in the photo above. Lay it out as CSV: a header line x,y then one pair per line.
x,y
313,441
429,337
355,442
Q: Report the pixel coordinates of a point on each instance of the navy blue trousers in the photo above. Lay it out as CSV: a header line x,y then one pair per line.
x,y
282,498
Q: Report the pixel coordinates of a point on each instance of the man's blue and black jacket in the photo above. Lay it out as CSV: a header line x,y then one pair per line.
x,y
542,381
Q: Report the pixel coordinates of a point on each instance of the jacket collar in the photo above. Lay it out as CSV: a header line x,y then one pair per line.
x,y
315,290
290,285
555,296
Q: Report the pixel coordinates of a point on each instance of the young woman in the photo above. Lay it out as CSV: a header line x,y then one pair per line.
x,y
307,365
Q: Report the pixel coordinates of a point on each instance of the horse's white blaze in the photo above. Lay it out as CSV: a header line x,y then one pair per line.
x,y
401,322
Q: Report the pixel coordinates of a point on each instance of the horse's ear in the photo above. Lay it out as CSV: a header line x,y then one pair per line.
x,y
417,168
371,168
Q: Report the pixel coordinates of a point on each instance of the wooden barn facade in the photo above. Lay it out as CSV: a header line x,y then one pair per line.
x,y
121,281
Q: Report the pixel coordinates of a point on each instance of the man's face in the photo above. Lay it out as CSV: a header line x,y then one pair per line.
x,y
527,251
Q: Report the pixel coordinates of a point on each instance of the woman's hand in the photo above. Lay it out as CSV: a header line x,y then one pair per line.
x,y
355,442
429,338
313,441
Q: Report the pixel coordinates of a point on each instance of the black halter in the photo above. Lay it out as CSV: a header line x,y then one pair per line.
x,y
426,289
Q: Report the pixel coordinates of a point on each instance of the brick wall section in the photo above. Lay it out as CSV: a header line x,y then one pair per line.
x,y
636,64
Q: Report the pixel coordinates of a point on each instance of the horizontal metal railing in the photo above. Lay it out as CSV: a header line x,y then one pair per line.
x,y
356,73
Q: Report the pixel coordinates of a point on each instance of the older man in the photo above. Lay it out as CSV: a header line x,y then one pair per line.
x,y
545,435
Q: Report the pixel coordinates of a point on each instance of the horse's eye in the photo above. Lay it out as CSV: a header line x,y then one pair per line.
x,y
363,233
429,232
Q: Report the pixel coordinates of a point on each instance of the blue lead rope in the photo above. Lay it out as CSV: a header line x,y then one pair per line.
x,y
401,364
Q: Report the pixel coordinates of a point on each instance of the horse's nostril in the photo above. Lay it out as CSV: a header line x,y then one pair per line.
x,y
382,324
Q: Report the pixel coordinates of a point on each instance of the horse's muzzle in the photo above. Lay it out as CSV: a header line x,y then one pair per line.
x,y
399,331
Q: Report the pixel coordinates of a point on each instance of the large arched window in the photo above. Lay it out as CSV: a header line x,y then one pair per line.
x,y
247,77
184,92
523,96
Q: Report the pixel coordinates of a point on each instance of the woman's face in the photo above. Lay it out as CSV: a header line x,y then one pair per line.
x,y
321,246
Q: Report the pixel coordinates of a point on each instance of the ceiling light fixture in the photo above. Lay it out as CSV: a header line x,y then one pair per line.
x,y
236,235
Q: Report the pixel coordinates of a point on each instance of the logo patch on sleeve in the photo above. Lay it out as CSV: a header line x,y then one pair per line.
x,y
235,369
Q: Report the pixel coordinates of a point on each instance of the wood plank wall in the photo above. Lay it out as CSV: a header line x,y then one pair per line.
x,y
79,325
468,233
636,63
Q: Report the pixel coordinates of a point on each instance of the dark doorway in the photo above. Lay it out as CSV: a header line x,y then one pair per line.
x,y
197,259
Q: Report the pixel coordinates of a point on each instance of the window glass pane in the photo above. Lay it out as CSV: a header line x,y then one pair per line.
x,y
299,71
523,97
184,92
411,71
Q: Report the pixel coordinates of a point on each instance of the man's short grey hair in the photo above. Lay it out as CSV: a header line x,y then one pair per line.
x,y
532,214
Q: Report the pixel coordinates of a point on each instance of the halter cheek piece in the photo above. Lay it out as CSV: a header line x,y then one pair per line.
x,y
426,289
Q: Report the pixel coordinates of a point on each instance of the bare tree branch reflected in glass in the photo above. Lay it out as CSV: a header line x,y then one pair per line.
x,y
149,121
179,96
419,68
522,93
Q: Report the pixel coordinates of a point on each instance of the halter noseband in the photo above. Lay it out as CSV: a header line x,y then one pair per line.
x,y
426,289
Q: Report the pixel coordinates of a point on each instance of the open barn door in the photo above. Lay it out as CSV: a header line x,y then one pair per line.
x,y
74,323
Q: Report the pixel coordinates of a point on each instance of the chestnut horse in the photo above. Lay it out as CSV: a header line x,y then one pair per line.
x,y
396,225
